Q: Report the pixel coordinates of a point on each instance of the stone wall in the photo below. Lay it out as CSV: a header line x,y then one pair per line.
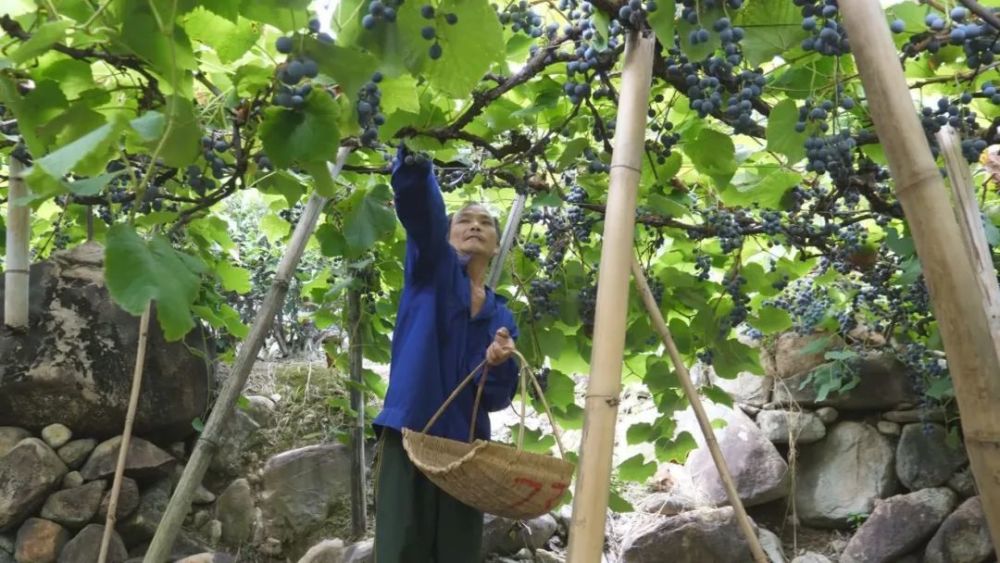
x,y
891,478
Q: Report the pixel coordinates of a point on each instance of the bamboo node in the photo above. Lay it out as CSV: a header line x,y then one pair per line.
x,y
626,166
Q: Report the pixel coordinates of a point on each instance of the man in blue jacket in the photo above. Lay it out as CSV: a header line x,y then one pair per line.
x,y
447,324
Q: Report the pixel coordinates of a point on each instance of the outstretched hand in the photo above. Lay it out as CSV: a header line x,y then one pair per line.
x,y
501,349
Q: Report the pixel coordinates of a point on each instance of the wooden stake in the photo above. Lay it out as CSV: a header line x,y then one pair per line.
x,y
208,442
359,497
133,403
590,500
949,274
970,221
699,412
16,279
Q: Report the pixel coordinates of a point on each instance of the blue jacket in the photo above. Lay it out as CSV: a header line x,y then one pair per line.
x,y
435,343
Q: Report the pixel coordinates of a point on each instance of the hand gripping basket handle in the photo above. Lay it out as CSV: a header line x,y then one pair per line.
x,y
525,374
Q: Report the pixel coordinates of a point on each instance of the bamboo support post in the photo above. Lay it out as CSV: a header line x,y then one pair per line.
x,y
133,404
699,412
208,442
16,274
970,221
359,500
948,271
590,500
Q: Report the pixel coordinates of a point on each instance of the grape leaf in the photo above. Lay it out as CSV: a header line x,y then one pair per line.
x,y
45,36
229,39
781,135
180,146
301,136
233,278
74,77
713,154
675,450
619,504
349,66
771,27
732,356
33,111
468,47
286,15
138,271
662,21
229,9
45,176
398,46
636,469
331,240
169,55
369,217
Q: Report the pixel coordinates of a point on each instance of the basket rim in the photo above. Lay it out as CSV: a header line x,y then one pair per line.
x,y
476,445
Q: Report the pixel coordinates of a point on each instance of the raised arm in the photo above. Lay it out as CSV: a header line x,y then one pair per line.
x,y
420,209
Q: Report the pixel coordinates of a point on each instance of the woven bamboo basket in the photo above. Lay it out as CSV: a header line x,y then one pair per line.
x,y
492,477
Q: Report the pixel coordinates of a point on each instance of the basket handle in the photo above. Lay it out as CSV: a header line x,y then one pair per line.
x,y
525,374
455,393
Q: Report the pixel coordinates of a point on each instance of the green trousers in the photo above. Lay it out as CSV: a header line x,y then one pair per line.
x,y
415,521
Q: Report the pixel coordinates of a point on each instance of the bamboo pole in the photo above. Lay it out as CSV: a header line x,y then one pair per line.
x,y
948,271
699,412
359,500
970,221
208,445
133,403
590,500
509,234
16,279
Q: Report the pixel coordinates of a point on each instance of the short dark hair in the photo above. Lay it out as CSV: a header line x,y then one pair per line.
x,y
496,221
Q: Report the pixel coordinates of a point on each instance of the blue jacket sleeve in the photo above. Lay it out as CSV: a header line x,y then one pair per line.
x,y
421,210
502,380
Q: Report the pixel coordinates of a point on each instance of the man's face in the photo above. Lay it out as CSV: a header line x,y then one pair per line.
x,y
473,232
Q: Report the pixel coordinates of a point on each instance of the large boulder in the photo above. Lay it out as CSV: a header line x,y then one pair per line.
x,y
899,525
710,535
924,458
28,473
302,486
843,475
760,473
10,436
884,383
964,537
74,364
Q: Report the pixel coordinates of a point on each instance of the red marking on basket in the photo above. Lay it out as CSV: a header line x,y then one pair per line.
x,y
535,487
560,489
